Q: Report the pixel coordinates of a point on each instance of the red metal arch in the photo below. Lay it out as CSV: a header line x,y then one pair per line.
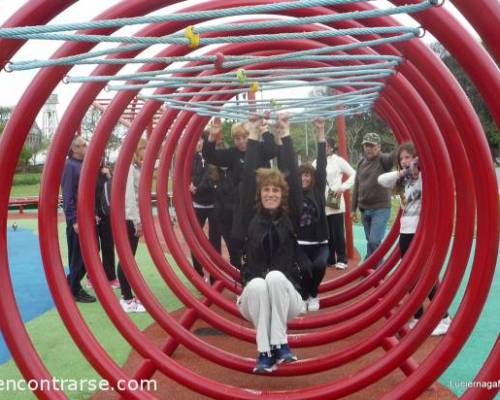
x,y
450,115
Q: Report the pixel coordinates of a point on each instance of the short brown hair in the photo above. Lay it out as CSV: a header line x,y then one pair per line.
x,y
274,177
238,129
307,168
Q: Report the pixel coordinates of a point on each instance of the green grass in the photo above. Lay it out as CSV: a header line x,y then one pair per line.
x,y
29,178
26,184
25,190
395,204
57,349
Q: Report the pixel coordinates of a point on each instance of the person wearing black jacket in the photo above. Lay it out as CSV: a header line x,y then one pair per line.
x,y
233,159
313,227
203,186
104,232
270,210
224,210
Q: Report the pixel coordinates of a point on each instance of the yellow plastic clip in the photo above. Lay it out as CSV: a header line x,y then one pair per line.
x,y
194,38
254,87
241,75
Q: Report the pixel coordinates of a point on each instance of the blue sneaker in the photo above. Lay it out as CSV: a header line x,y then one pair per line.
x,y
265,363
283,354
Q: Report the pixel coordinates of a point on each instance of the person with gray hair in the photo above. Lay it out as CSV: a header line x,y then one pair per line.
x,y
373,200
69,187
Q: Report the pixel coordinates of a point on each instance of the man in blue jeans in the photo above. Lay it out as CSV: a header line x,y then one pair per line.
x,y
373,200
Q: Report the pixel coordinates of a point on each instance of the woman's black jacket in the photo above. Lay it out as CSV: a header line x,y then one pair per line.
x,y
316,195
259,258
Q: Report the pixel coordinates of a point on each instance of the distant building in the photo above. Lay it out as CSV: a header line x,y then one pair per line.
x,y
34,138
50,119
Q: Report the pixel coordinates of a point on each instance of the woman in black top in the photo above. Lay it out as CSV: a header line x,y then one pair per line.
x,y
313,226
204,180
234,160
270,206
104,232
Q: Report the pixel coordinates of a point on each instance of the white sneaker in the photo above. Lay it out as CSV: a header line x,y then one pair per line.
x,y
312,304
442,327
131,306
341,265
412,323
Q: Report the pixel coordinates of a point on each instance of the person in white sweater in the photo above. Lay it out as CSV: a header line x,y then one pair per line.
x,y
407,182
134,228
336,166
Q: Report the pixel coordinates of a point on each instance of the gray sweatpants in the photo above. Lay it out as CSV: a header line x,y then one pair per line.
x,y
269,303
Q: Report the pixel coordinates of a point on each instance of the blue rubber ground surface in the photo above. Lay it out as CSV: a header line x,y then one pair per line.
x,y
32,293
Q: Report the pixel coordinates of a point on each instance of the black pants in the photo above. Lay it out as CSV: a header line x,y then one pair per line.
x,y
336,240
318,257
134,241
75,260
233,247
107,246
404,243
204,214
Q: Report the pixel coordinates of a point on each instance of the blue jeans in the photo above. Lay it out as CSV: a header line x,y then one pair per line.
x,y
375,223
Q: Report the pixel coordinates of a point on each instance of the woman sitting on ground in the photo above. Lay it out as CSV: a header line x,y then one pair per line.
x,y
270,273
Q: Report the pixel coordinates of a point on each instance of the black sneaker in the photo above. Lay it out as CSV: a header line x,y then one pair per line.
x,y
283,354
265,364
84,297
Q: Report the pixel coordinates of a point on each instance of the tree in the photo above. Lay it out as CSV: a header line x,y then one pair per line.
x,y
33,145
88,126
4,117
490,128
25,157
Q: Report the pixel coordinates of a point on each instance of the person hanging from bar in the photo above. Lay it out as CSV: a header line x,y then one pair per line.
x,y
234,159
271,276
313,226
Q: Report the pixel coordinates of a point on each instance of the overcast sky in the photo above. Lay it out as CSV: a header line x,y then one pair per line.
x,y
14,84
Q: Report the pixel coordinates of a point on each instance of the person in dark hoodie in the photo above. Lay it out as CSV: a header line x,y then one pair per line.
x,y
203,187
104,232
69,185
234,159
313,227
271,277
